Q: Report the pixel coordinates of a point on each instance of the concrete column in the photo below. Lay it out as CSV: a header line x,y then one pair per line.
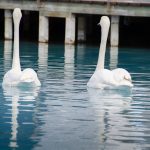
x,y
114,36
8,25
81,29
70,30
43,29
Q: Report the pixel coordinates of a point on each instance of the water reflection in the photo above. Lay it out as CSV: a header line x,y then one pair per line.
x,y
14,122
81,51
111,107
7,55
15,97
42,59
69,68
69,61
113,58
65,115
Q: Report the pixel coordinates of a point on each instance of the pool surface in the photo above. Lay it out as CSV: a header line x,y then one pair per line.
x,y
63,114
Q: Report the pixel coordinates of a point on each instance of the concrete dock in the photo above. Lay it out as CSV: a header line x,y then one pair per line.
x,y
73,10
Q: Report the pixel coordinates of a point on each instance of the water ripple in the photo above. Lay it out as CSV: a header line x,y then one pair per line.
x,y
64,113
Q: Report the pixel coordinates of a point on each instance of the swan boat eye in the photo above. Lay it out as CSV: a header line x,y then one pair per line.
x,y
128,79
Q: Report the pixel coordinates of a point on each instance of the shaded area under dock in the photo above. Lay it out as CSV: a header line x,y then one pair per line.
x,y
75,20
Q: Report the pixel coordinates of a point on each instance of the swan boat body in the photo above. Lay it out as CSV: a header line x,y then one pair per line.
x,y
16,77
104,78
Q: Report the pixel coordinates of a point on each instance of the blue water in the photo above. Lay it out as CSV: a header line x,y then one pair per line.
x,y
63,114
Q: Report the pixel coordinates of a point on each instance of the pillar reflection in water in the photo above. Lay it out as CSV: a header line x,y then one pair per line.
x,y
80,51
7,55
69,62
42,59
113,57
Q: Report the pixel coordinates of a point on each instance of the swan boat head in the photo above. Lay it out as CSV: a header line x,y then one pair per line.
x,y
17,15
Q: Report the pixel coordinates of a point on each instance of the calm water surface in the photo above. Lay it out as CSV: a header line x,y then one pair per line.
x,y
63,114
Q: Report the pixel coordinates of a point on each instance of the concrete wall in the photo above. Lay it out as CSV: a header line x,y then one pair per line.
x,y
69,11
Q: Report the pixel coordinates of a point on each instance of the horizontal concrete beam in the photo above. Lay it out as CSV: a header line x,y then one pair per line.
x,y
24,5
61,9
102,9
54,14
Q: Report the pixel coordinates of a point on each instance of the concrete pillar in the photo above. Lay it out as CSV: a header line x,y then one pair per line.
x,y
70,30
81,29
43,29
8,25
114,36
